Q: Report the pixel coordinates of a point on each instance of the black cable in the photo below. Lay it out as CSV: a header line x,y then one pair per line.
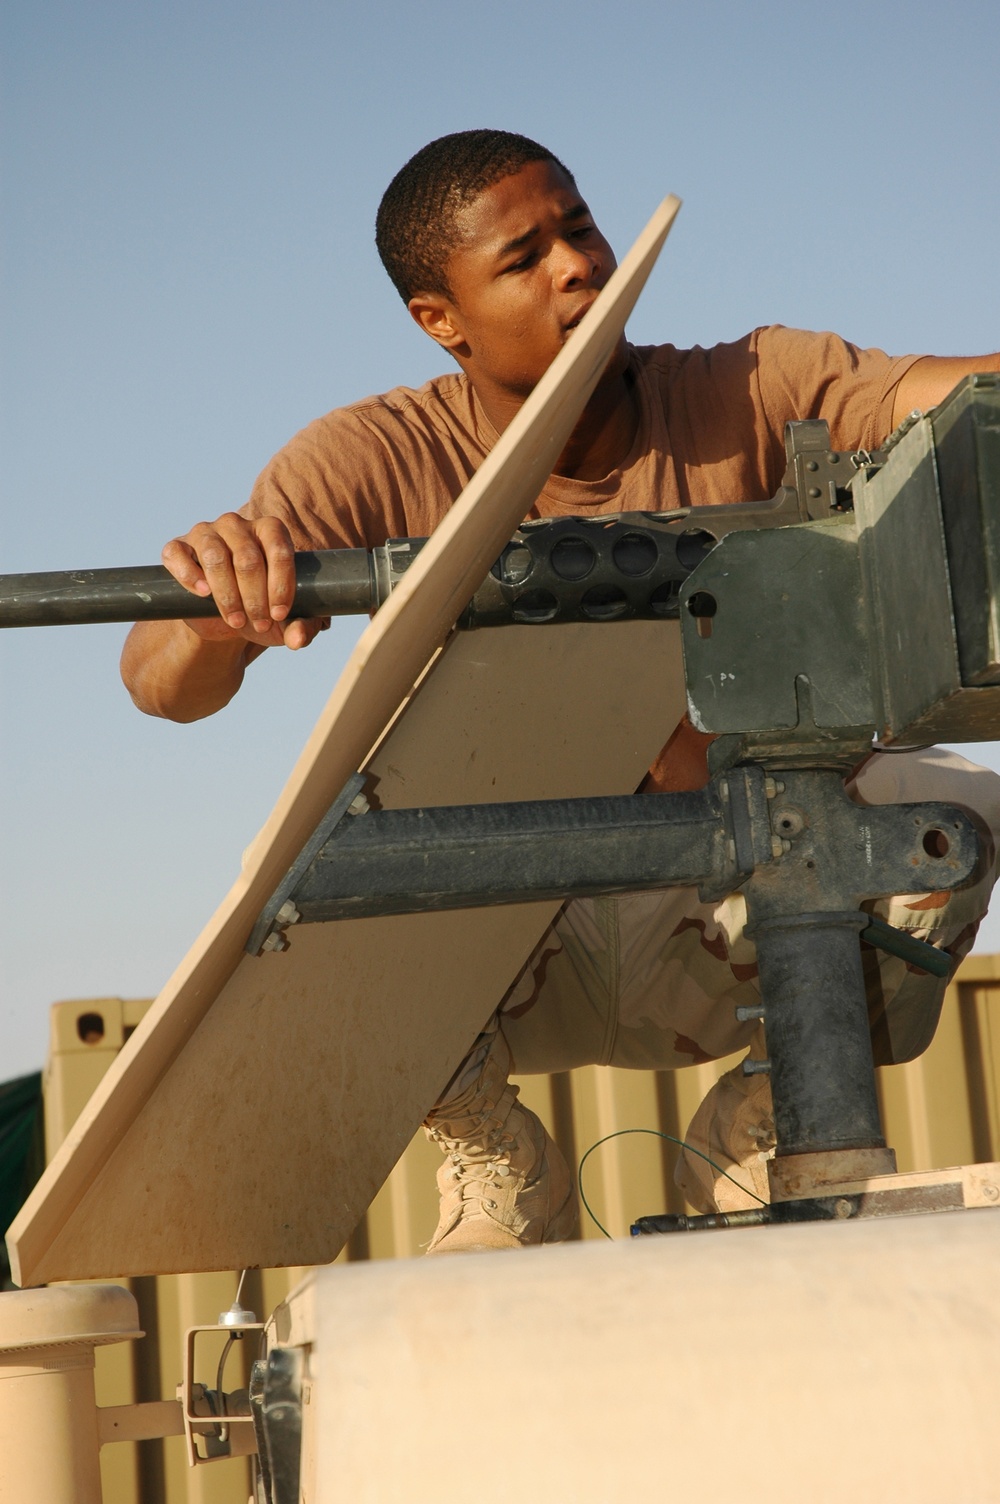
x,y
681,1144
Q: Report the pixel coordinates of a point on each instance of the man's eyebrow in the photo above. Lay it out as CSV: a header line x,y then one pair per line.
x,y
519,241
578,211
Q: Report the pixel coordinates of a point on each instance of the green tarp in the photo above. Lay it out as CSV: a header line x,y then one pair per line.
x,y
22,1150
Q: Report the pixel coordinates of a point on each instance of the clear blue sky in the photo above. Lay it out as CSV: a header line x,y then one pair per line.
x,y
189,277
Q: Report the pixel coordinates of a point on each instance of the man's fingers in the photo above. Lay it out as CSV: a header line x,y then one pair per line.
x,y
201,561
299,634
248,567
182,561
280,559
215,554
235,567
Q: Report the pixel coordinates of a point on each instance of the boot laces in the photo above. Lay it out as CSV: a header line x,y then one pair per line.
x,y
479,1169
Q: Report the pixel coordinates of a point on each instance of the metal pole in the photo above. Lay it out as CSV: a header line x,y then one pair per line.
x,y
816,1026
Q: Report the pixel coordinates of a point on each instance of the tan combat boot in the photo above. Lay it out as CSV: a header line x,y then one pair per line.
x,y
504,1183
734,1127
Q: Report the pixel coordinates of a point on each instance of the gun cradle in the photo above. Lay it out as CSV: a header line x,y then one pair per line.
x,y
878,622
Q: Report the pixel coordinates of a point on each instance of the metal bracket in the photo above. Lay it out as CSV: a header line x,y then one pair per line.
x,y
268,934
276,1395
223,1422
821,476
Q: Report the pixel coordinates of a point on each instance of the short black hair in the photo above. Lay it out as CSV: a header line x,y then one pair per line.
x,y
415,225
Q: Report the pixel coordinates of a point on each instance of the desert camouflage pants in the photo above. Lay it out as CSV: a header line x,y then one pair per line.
x,y
650,981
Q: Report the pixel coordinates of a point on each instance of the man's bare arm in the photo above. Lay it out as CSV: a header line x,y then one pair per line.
x,y
929,381
185,670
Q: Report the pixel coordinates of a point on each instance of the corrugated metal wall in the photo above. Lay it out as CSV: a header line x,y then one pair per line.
x,y
943,1109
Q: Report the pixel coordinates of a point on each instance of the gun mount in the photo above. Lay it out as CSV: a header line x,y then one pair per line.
x,y
806,638
802,647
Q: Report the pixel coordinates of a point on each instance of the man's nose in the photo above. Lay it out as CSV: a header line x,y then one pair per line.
x,y
574,264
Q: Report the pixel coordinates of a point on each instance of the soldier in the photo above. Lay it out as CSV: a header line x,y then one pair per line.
x,y
497,257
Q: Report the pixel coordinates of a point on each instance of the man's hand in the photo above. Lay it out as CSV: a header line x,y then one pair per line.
x,y
249,568
185,670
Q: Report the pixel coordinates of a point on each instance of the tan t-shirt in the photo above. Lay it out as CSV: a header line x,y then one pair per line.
x,y
711,430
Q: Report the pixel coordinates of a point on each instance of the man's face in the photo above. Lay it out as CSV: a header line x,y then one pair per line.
x,y
529,265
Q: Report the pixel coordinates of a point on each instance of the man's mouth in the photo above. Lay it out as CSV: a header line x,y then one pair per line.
x,y
577,317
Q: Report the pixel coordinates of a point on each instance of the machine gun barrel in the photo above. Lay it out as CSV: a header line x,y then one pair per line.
x,y
335,582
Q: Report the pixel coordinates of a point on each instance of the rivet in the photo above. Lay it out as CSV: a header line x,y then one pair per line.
x,y
815,491
811,465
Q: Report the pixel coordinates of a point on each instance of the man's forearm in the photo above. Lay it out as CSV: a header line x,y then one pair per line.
x,y
171,671
929,380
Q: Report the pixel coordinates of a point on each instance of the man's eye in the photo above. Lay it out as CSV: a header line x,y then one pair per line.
x,y
522,265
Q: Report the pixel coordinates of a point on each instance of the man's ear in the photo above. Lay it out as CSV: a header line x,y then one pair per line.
x,y
438,317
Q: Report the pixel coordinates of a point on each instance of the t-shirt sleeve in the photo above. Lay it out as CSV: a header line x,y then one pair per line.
x,y
334,485
803,375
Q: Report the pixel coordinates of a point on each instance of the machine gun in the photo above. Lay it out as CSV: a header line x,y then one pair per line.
x,y
861,604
